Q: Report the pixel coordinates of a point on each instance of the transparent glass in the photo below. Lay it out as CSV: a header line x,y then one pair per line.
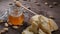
x,y
15,15
3,15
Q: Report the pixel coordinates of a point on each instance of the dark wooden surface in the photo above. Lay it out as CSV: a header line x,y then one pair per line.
x,y
40,9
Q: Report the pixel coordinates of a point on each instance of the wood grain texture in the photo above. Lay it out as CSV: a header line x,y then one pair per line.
x,y
42,9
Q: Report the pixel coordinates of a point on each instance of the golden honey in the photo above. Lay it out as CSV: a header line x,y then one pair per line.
x,y
16,20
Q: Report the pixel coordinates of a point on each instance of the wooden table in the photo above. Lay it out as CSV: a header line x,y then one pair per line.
x,y
40,9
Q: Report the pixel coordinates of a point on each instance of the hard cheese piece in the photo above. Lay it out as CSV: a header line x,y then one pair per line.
x,y
42,24
32,30
41,32
34,19
53,25
27,30
45,24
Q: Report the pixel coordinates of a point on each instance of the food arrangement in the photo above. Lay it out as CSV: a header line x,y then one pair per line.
x,y
39,24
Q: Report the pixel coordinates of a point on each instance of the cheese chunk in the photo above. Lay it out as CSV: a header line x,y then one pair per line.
x,y
42,22
41,25
41,32
32,30
53,25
